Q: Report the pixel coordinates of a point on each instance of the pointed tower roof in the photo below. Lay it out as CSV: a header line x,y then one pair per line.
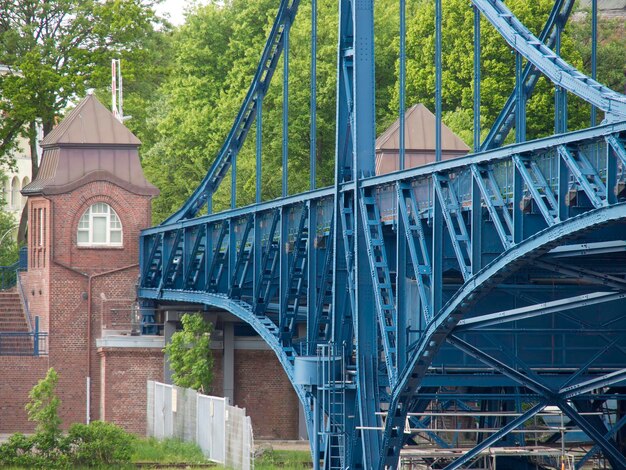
x,y
419,142
419,133
90,123
90,144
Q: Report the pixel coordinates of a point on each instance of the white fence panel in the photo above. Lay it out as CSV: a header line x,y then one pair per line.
x,y
223,432
211,425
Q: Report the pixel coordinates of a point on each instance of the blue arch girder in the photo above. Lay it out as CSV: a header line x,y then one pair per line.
x,y
510,260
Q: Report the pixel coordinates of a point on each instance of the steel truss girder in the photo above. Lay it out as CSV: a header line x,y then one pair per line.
x,y
539,189
411,178
243,262
446,320
585,175
548,62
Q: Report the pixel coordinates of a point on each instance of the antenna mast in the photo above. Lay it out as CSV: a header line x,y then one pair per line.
x,y
117,97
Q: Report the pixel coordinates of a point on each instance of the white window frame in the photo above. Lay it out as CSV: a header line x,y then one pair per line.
x,y
113,223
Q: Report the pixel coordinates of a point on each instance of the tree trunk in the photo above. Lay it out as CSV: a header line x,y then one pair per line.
x,y
34,164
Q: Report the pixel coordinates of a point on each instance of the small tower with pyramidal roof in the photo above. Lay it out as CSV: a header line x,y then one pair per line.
x,y
86,208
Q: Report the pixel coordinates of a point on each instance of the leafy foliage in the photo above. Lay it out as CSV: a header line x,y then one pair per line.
x,y
43,410
95,444
189,353
55,49
99,443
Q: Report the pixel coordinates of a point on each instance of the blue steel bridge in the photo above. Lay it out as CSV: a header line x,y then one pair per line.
x,y
494,283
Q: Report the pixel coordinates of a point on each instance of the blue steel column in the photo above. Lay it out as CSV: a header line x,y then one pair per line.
x,y
285,105
363,162
520,107
259,144
401,291
438,15
594,50
313,131
476,79
402,80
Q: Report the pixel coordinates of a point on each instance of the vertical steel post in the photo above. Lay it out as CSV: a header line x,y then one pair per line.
x,y
438,14
476,79
402,81
560,95
36,337
594,50
233,182
259,144
285,104
313,132
520,106
363,163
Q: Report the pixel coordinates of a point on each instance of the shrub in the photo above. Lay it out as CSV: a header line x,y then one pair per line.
x,y
99,443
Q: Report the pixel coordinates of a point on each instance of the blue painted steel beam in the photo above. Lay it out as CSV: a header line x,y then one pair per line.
x,y
550,64
504,122
532,311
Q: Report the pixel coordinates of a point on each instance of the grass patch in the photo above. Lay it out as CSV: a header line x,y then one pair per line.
x,y
285,459
167,451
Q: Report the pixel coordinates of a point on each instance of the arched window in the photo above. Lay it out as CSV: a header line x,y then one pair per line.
x,y
15,193
99,226
25,181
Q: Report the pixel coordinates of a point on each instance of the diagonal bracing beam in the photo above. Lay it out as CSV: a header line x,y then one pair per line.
x,y
531,311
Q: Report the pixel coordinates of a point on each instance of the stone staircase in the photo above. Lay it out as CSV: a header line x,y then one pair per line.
x,y
14,340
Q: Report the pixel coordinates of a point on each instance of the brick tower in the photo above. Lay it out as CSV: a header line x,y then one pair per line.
x,y
85,208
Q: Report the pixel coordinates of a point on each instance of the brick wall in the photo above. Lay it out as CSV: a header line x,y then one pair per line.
x,y
262,387
19,375
124,372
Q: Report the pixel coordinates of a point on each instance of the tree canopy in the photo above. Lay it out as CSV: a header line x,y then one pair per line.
x,y
54,50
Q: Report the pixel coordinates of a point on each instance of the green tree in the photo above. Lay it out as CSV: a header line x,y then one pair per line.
x,y
189,353
53,50
43,409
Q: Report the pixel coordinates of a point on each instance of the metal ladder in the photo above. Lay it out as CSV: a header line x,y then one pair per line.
x,y
381,279
333,389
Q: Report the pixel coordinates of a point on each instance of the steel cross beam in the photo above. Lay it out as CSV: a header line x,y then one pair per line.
x,y
545,308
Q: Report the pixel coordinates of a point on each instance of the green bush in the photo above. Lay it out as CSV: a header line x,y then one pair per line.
x,y
95,444
99,443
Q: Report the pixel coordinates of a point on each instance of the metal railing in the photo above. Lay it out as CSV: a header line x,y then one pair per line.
x,y
24,343
8,275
